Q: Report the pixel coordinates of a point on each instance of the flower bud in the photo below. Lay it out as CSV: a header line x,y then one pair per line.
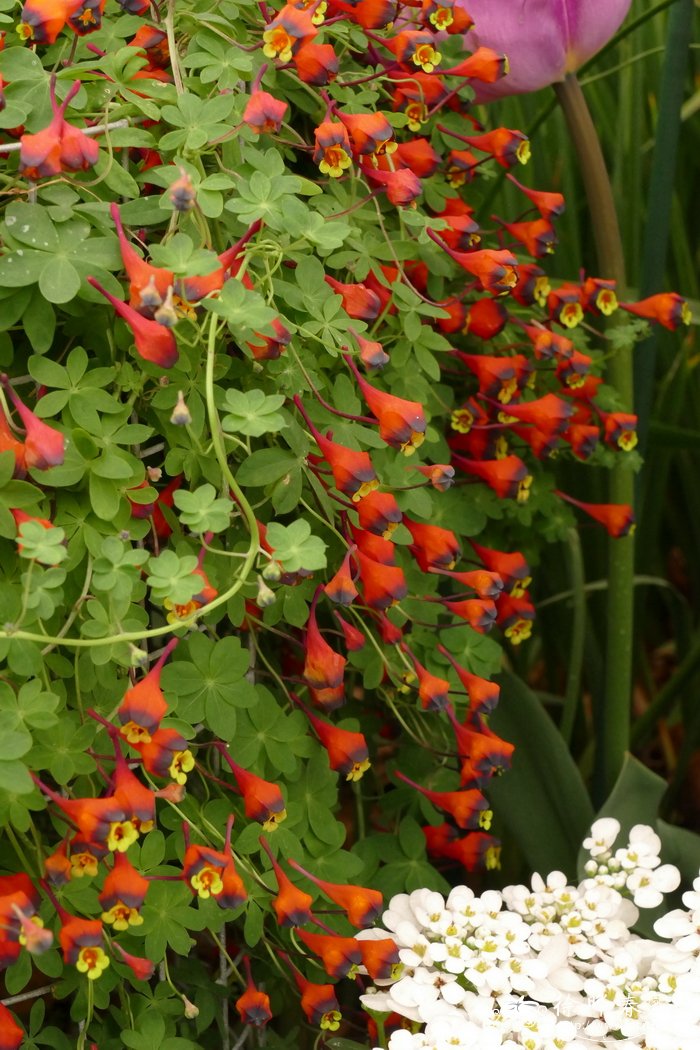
x,y
183,195
191,1011
265,596
272,572
181,414
166,314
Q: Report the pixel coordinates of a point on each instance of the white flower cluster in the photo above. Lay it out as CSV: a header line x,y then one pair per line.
x,y
551,966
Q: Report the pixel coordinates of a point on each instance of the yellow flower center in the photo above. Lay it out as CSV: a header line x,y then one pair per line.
x,y
417,114
135,734
541,290
519,631
571,315
523,152
524,489
207,882
627,440
358,769
364,490
415,441
82,864
278,44
462,420
607,302
485,818
274,820
121,916
122,834
335,161
442,18
181,765
331,1021
92,961
426,57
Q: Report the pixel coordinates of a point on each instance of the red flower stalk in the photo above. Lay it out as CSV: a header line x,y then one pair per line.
x,y
440,475
253,1006
380,957
414,47
495,271
532,285
286,33
564,305
262,800
318,1001
508,477
482,694
123,894
264,112
432,691
142,969
382,585
469,809
667,308
359,301
144,706
347,751
549,205
617,518
341,588
379,513
362,906
154,342
354,639
371,134
291,905
332,152
166,754
82,942
323,667
620,430
11,1035
9,443
475,851
373,546
510,566
148,284
507,147
353,472
537,236
485,65
433,547
338,954
479,613
44,446
401,423
316,64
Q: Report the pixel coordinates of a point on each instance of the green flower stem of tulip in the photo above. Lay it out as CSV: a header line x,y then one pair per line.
x,y
614,726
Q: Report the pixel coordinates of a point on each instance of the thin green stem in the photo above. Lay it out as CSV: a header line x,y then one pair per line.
x,y
614,724
578,637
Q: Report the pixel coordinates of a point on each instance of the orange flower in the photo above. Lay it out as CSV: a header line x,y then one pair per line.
x,y
479,613
286,33
253,1006
9,443
341,588
142,969
11,1035
371,134
440,475
144,706
667,308
510,566
537,236
264,112
291,905
564,305
44,446
383,585
508,477
617,518
359,301
82,943
495,270
484,64
475,851
43,20
354,639
414,47
166,754
323,667
433,546
432,691
482,694
154,342
507,147
532,285
148,284
549,205
338,954
380,957
333,151
262,800
379,513
353,472
318,1001
123,894
401,423
316,64
469,809
347,751
362,906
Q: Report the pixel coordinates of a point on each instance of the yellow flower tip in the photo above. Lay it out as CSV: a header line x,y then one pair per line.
x,y
485,818
24,31
331,1021
358,769
274,820
207,882
493,858
122,834
181,765
628,441
135,734
524,489
541,290
523,152
607,303
571,315
92,961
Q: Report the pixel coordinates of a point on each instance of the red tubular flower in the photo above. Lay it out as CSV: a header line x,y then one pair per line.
x,y
11,1035
583,439
432,691
375,547
142,969
371,134
154,342
59,146
316,64
57,866
419,156
414,48
362,906
564,305
166,754
379,513
479,613
486,584
516,616
380,957
359,301
372,353
253,1006
123,894
9,443
333,152
495,271
291,905
510,566
98,820
548,413
537,236
461,166
598,296
401,185
508,477
286,33
475,851
318,1001
482,694
347,751
144,706
341,588
573,370
82,942
370,14
447,16
549,205
440,475
432,547
353,472
44,446
507,147
469,809
264,112
148,284
323,667
617,518
620,430
262,800
401,423
485,65
43,20
390,633
354,639
483,753
667,308
211,873
532,285
383,585
338,954
486,318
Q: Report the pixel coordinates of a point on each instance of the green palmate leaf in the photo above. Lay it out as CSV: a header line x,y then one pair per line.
x,y
542,800
245,310
212,684
180,256
201,511
172,577
295,547
253,413
37,542
265,466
